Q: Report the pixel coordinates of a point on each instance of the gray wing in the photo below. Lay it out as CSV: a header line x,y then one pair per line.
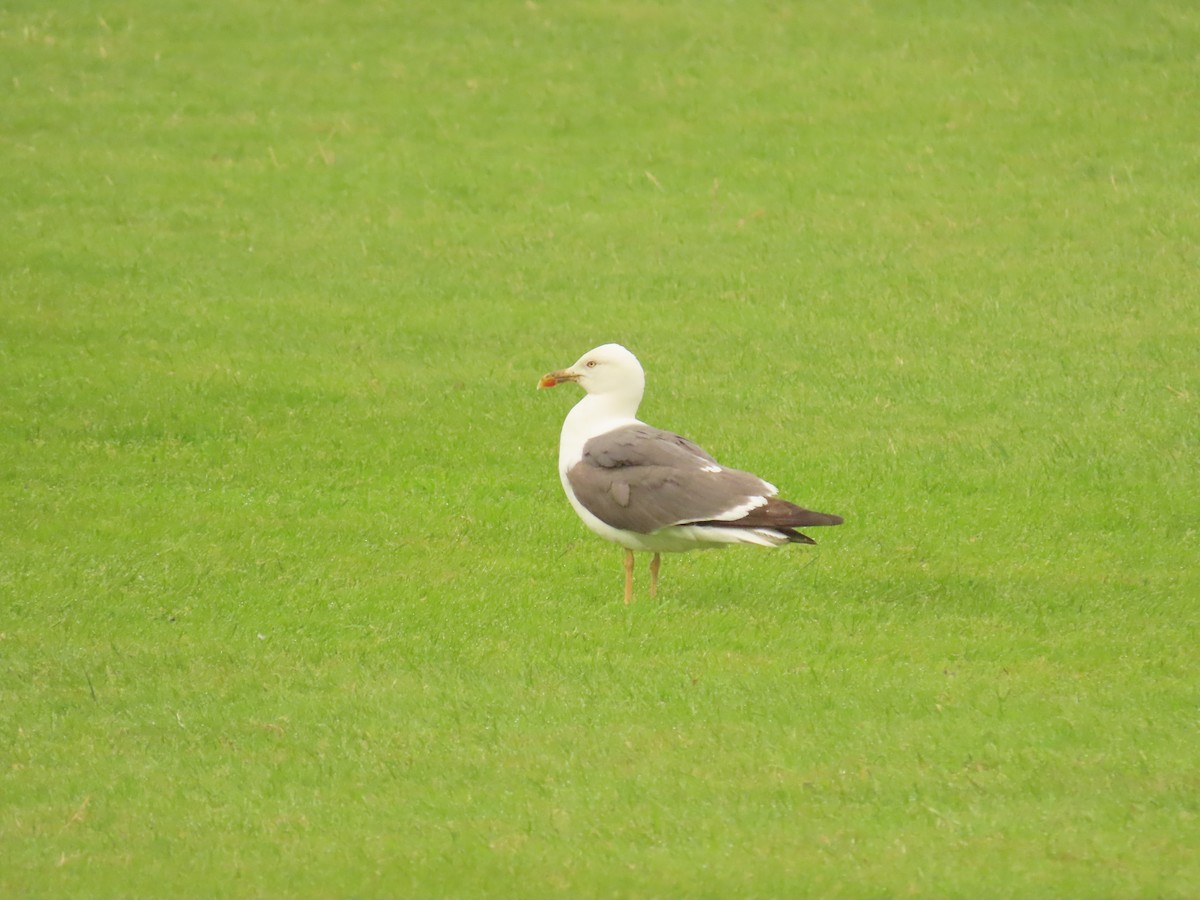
x,y
641,479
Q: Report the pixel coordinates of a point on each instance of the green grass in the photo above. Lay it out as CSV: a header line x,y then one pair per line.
x,y
290,601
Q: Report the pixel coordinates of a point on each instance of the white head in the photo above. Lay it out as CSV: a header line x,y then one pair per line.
x,y
610,371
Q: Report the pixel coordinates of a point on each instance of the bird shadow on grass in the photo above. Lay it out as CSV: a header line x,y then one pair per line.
x,y
710,580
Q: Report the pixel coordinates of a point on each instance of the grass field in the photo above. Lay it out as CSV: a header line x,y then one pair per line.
x,y
291,604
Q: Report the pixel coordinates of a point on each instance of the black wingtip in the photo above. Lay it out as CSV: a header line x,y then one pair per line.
x,y
795,537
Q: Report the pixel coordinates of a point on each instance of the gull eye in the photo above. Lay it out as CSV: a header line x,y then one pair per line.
x,y
591,364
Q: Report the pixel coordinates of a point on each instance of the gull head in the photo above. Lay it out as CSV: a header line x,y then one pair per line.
x,y
608,369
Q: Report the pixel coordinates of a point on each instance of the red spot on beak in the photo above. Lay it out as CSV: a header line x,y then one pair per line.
x,y
547,381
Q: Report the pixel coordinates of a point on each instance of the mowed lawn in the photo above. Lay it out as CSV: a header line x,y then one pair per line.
x,y
291,603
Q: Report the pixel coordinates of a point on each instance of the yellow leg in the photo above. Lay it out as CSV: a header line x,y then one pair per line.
x,y
654,564
628,576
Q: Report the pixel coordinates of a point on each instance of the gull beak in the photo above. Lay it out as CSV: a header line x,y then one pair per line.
x,y
551,379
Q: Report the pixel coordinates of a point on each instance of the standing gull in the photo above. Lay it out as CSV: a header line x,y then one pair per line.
x,y
652,490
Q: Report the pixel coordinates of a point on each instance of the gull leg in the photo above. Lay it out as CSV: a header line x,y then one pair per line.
x,y
654,564
628,576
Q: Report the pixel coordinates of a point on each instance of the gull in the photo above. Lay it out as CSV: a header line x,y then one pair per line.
x,y
651,490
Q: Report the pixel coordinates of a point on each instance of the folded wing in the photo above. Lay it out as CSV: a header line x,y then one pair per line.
x,y
641,479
